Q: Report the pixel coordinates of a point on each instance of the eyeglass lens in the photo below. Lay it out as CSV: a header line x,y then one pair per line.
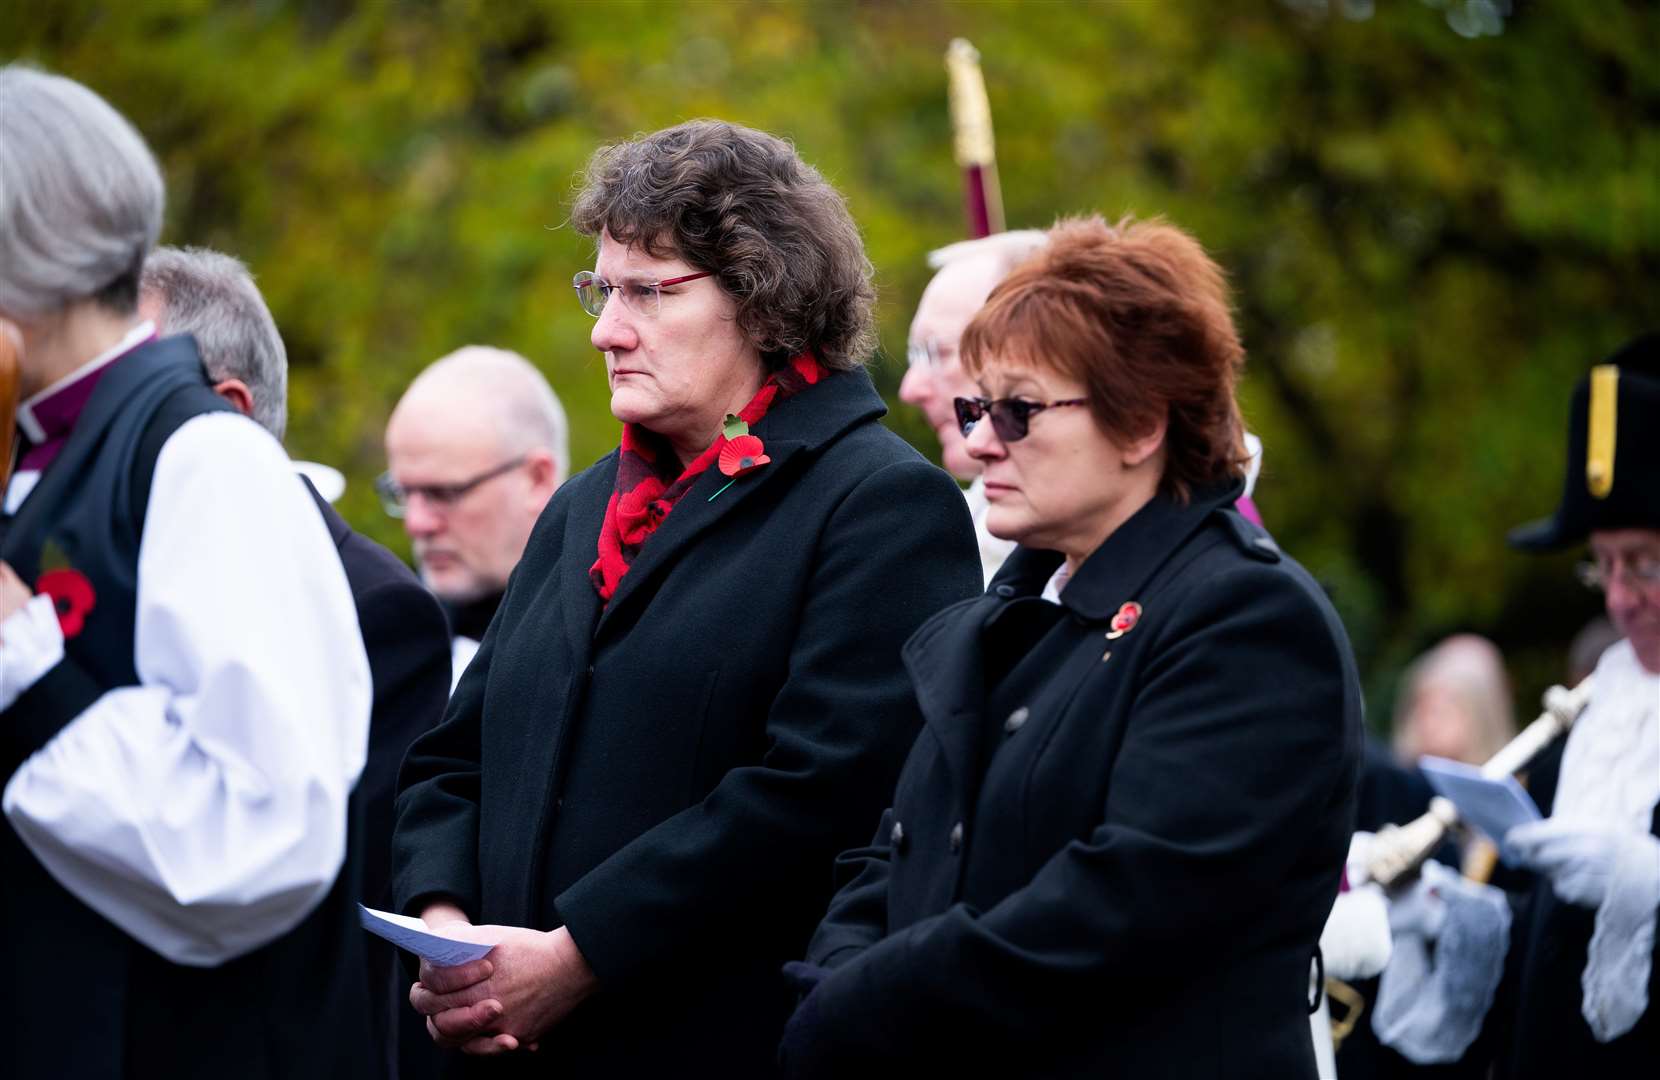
x,y
592,291
1010,417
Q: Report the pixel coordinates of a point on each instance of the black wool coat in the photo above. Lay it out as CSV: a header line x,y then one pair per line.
x,y
671,776
1116,858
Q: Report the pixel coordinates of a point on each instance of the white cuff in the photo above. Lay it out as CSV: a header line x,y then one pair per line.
x,y
31,644
1621,953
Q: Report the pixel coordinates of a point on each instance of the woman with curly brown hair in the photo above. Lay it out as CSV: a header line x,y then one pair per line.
x,y
1114,845
691,696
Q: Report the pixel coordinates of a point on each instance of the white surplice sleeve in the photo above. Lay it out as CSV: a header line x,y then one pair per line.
x,y
204,810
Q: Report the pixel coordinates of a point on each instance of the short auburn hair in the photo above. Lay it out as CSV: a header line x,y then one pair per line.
x,y
1140,315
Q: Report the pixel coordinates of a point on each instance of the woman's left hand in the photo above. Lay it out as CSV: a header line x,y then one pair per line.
x,y
536,979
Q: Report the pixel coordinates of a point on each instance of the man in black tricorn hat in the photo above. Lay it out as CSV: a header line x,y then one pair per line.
x,y
1579,983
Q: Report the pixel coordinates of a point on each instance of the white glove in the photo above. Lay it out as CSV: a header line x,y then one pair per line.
x,y
1431,1002
1421,911
1579,861
1617,874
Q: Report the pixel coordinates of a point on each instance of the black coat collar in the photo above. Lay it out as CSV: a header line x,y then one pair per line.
x,y
1123,564
946,657
801,424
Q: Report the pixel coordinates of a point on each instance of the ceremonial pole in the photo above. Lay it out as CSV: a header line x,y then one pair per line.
x,y
10,378
975,145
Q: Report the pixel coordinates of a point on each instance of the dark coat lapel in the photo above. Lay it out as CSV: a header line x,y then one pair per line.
x,y
577,598
1122,566
804,422
947,663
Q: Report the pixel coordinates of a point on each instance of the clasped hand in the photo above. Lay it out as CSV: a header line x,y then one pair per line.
x,y
508,998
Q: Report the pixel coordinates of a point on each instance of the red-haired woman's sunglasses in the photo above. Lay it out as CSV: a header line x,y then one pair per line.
x,y
1010,417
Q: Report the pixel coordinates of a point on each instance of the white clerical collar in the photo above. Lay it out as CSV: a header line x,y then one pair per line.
x,y
135,337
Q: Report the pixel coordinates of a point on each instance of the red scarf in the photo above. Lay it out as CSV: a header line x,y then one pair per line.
x,y
647,488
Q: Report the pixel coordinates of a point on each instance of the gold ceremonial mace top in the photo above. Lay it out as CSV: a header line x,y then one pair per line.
x,y
975,146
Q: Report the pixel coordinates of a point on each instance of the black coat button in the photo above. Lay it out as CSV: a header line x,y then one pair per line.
x,y
1017,720
897,837
1005,590
956,838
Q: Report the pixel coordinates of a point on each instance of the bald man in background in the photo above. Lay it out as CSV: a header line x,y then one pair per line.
x,y
474,450
967,272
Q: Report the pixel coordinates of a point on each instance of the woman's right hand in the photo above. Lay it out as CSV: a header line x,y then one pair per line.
x,y
482,1013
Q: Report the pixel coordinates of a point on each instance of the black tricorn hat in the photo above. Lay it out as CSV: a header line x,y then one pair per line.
x,y
1613,479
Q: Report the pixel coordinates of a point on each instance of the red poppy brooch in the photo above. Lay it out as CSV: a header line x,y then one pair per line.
x,y
72,594
1123,622
742,454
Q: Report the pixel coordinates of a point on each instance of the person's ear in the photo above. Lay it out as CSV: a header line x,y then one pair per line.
x,y
544,473
1143,447
237,393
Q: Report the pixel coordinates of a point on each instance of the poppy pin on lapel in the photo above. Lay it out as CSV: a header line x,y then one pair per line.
x,y
742,454
1123,622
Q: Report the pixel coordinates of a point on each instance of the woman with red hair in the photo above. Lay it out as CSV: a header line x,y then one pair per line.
x,y
1114,845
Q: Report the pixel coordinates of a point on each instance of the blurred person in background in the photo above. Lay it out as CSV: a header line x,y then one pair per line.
x,y
691,697
184,706
212,297
1455,703
1126,818
934,376
1560,978
474,450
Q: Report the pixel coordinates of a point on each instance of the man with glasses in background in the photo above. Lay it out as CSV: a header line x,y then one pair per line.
x,y
474,450
1562,977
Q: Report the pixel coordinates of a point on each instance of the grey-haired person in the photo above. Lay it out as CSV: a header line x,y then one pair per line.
x,y
184,691
212,297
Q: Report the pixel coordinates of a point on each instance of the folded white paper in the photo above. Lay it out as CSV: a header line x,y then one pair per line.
x,y
1493,805
412,934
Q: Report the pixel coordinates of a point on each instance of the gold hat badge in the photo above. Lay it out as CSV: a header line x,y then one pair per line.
x,y
1599,442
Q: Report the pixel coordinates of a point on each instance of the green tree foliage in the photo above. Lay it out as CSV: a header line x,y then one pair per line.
x,y
1436,216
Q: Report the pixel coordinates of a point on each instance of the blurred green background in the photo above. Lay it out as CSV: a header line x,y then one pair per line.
x,y
1436,214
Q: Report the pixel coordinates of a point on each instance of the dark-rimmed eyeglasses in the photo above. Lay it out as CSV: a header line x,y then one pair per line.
x,y
641,297
394,497
1010,417
1638,572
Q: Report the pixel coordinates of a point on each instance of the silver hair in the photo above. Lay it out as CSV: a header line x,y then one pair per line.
x,y
81,196
212,296
1009,248
530,415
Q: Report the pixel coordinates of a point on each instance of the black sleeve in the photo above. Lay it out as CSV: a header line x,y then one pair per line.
x,y
899,548
436,811
858,914
1232,764
409,659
